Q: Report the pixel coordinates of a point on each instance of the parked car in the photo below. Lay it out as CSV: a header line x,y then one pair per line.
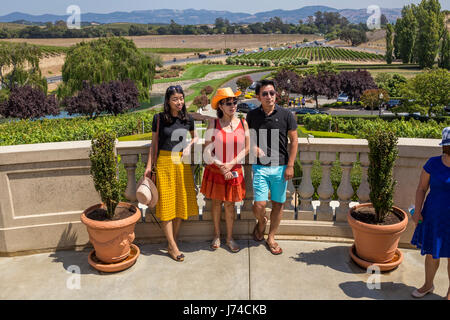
x,y
270,49
245,107
393,103
241,51
306,111
447,109
261,49
229,53
342,98
202,56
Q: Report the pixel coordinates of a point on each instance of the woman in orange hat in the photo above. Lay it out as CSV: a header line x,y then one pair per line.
x,y
227,142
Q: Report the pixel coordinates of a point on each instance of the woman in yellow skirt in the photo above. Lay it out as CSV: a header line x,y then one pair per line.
x,y
174,179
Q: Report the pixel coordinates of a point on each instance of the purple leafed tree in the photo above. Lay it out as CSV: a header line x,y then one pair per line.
x,y
29,103
112,97
116,97
321,84
287,80
354,83
83,103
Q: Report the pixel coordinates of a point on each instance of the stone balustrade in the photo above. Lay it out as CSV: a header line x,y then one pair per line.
x,y
45,187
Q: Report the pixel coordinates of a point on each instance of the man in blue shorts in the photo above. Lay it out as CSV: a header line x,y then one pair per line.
x,y
270,127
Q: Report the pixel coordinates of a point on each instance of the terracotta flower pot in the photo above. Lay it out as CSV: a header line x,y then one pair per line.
x,y
111,239
376,243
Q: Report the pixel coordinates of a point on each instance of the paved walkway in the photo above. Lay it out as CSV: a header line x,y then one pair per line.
x,y
306,270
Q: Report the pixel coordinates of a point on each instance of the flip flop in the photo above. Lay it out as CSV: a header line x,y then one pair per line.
x,y
232,245
256,229
276,250
215,244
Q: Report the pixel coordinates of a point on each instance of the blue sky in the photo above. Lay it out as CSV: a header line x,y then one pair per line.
x,y
248,6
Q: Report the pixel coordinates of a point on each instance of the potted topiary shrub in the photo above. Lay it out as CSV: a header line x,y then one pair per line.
x,y
377,226
111,223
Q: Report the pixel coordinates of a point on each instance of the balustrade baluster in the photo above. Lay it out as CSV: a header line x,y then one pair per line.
x,y
325,190
345,190
364,190
306,189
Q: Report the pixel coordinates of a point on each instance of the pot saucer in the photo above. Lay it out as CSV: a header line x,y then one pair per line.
x,y
115,267
388,266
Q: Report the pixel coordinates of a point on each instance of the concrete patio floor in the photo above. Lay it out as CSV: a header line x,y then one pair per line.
x,y
305,270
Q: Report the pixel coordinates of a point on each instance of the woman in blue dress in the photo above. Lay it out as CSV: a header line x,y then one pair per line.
x,y
432,234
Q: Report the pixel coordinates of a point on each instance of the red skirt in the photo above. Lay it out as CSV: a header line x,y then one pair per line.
x,y
214,186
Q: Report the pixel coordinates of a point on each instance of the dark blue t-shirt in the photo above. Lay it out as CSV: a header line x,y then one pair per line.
x,y
273,127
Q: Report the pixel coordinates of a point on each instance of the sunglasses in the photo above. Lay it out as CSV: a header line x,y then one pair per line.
x,y
266,93
175,87
229,104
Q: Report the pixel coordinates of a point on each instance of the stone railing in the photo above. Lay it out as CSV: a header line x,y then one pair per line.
x,y
45,187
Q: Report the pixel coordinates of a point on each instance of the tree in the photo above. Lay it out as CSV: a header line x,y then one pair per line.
x,y
287,80
430,22
444,54
29,103
390,82
244,82
22,60
104,60
354,83
429,89
323,83
389,43
114,97
406,33
354,36
200,101
374,98
383,153
83,103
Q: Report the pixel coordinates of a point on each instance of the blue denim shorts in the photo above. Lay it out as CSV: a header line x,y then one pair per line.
x,y
267,178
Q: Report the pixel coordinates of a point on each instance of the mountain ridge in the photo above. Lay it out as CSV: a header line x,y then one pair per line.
x,y
203,16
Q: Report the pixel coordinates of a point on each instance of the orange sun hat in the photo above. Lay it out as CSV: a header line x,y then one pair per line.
x,y
223,93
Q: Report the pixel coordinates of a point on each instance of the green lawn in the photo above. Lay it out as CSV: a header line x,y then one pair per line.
x,y
198,71
303,133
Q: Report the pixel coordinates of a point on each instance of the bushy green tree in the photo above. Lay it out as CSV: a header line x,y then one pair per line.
x,y
430,23
391,82
380,174
104,60
429,89
406,33
19,66
104,166
444,54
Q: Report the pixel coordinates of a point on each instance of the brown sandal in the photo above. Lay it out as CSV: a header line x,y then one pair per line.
x,y
275,249
255,230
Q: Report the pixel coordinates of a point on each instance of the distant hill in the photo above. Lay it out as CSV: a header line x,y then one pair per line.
x,y
193,16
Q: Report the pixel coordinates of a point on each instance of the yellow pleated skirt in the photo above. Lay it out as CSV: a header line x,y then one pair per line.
x,y
175,183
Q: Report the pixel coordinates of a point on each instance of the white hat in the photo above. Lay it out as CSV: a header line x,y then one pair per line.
x,y
445,137
147,193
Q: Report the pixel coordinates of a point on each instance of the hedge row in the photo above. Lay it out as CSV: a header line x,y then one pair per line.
x,y
75,129
361,127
